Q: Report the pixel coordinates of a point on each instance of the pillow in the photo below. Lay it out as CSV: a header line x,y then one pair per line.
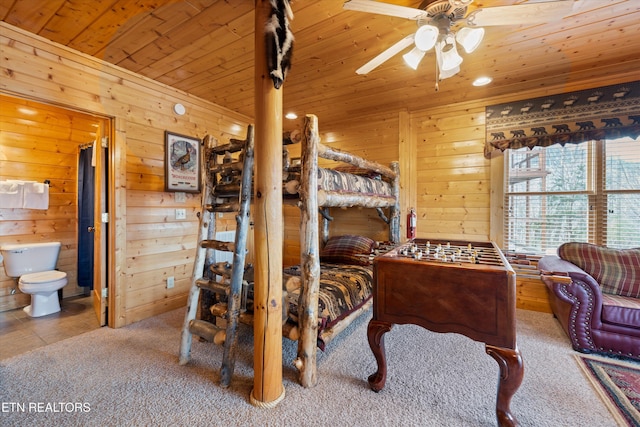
x,y
347,249
616,270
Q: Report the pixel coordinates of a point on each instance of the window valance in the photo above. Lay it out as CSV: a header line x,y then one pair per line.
x,y
568,118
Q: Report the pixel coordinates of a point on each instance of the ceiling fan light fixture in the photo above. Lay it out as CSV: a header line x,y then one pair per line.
x,y
413,57
447,54
426,37
445,74
470,38
460,3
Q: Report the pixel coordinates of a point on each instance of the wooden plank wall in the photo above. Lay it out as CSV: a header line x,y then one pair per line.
x,y
148,244
453,177
41,142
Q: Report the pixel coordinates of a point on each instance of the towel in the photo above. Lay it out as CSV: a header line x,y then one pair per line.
x,y
11,194
36,195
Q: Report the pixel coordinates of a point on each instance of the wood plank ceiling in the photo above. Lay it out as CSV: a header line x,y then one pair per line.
x,y
205,47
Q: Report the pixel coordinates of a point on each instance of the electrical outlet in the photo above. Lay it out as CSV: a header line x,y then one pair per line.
x,y
180,197
181,214
170,282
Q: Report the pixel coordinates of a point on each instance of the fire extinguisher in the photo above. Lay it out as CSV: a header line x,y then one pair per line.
x,y
411,224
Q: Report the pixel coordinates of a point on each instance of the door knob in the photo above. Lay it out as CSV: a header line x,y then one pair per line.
x,y
91,229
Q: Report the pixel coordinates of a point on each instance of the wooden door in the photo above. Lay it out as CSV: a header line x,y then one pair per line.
x,y
100,224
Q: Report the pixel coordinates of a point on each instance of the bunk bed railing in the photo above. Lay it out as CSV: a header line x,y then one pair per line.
x,y
336,154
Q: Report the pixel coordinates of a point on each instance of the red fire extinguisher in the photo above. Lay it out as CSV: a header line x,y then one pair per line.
x,y
411,224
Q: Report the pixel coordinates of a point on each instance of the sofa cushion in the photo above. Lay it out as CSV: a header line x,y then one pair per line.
x,y
623,311
616,270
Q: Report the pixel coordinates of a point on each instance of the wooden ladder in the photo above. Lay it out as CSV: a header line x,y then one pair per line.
x,y
224,191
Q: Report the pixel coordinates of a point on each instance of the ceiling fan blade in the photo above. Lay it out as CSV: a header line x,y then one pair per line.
x,y
519,14
384,9
378,60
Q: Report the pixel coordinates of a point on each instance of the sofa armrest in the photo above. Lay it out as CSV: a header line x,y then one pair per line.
x,y
569,282
579,302
554,265
576,299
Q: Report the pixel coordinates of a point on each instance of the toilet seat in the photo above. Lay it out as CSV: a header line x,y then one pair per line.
x,y
43,281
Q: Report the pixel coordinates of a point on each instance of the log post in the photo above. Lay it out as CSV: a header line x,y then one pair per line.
x,y
309,257
268,389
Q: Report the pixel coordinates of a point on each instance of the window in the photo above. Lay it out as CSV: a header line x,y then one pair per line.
x,y
588,192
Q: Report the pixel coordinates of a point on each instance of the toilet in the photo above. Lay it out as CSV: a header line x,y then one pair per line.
x,y
34,264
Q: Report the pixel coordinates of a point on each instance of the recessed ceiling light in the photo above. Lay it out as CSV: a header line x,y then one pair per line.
x,y
291,116
329,137
27,111
481,81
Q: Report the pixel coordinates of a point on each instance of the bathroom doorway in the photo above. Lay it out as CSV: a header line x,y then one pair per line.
x,y
42,145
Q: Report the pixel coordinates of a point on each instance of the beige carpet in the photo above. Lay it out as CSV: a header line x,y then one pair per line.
x,y
131,377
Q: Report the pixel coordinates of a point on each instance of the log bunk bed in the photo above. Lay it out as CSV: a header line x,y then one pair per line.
x,y
319,299
320,189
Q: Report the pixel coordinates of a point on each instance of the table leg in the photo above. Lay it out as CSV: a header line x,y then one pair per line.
x,y
511,373
375,335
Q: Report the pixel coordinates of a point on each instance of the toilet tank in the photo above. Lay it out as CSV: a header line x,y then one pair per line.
x,y
29,258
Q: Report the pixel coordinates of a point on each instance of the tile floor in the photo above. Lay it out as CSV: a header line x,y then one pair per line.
x,y
20,333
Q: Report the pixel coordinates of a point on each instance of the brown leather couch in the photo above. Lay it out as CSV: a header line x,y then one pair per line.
x,y
595,295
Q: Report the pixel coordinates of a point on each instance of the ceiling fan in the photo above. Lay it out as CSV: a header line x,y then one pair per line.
x,y
435,19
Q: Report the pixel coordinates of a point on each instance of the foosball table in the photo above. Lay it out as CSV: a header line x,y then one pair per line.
x,y
448,286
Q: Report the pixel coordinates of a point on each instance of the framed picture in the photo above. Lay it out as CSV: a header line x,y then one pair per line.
x,y
182,163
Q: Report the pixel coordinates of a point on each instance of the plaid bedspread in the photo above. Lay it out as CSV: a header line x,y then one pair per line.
x,y
343,289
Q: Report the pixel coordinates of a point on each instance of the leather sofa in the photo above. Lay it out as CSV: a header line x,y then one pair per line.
x,y
595,295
